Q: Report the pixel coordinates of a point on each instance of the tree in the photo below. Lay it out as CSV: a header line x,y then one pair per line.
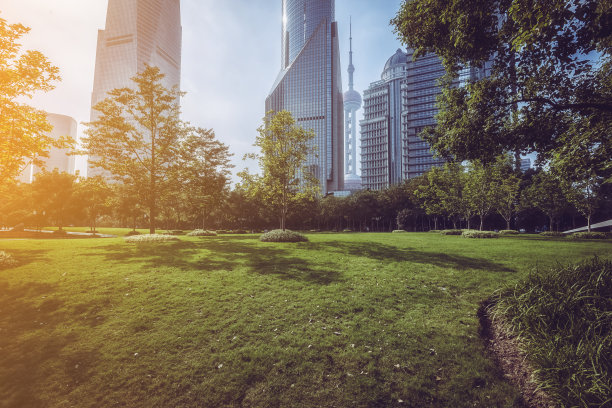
x,y
136,135
430,194
94,197
479,190
24,130
506,185
285,147
203,171
545,194
53,196
542,73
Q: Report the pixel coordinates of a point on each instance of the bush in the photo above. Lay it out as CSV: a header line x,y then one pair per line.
x,y
589,235
283,236
552,234
347,230
60,232
400,231
508,232
202,233
151,238
451,232
132,233
436,231
6,260
563,320
480,234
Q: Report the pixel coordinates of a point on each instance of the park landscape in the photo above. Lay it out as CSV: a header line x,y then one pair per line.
x,y
164,282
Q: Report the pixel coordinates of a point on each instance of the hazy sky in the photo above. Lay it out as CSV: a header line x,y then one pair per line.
x,y
231,56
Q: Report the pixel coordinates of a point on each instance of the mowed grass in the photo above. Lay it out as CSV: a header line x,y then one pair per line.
x,y
344,320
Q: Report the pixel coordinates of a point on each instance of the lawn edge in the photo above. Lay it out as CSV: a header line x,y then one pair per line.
x,y
514,364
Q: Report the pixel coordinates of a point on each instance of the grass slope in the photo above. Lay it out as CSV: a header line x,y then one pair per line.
x,y
342,320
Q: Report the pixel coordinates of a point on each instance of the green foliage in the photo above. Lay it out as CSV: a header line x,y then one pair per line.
x,y
134,239
544,194
399,231
6,260
53,197
589,235
563,320
285,179
283,236
132,233
24,137
479,234
202,233
552,234
508,232
451,232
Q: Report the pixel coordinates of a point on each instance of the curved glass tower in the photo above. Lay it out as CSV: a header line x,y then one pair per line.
x,y
309,84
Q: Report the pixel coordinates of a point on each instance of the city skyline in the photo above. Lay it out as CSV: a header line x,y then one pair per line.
x,y
212,32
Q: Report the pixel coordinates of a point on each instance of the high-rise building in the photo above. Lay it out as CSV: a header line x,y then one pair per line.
x,y
352,103
137,32
309,84
63,126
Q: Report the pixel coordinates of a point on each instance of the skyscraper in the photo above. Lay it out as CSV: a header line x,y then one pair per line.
x,y
309,84
352,103
137,32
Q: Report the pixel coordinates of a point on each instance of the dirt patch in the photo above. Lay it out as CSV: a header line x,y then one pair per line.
x,y
504,348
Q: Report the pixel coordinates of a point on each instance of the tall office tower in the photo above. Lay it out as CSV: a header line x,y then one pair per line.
x,y
352,103
309,84
137,32
63,126
396,109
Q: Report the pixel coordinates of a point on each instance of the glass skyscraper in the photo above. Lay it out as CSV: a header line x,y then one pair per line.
x,y
309,84
137,32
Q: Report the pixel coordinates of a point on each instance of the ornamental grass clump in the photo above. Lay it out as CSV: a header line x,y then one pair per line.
x,y
202,233
479,234
562,319
508,232
6,260
400,231
589,235
451,232
283,236
150,238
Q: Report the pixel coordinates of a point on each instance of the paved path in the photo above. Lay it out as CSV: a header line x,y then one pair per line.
x,y
75,233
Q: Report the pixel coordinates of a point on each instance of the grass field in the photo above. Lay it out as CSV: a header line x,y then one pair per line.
x,y
344,320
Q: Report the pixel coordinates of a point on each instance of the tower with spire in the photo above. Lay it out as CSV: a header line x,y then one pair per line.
x,y
352,103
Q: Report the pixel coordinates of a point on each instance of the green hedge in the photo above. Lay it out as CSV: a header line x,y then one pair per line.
x,y
151,238
202,233
508,232
552,234
400,231
451,232
480,234
283,236
563,320
589,235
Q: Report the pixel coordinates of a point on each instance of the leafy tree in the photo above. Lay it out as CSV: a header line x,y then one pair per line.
x,y
545,194
506,187
24,130
542,74
285,179
94,196
478,190
53,195
430,195
136,135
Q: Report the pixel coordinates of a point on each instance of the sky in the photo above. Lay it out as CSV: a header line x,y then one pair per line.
x,y
230,57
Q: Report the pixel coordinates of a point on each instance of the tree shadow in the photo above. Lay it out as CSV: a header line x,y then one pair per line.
x,y
226,253
388,253
25,257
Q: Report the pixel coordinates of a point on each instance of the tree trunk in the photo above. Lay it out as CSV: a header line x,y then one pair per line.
x,y
481,222
589,222
551,222
508,224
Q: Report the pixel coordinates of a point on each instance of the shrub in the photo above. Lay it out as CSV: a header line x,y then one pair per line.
x,y
202,233
508,232
238,231
400,231
60,232
552,234
589,235
132,233
6,260
480,234
283,236
347,230
451,232
436,231
562,318
151,238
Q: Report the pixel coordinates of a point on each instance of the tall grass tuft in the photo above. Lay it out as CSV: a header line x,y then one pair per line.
x,y
6,260
563,321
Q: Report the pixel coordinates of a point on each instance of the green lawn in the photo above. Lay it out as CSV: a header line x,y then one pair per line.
x,y
343,320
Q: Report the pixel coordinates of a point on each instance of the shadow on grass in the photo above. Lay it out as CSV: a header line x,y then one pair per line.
x,y
25,257
226,253
388,253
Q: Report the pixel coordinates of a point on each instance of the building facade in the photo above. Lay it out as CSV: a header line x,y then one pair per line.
x,y
397,108
309,84
352,103
137,33
58,159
